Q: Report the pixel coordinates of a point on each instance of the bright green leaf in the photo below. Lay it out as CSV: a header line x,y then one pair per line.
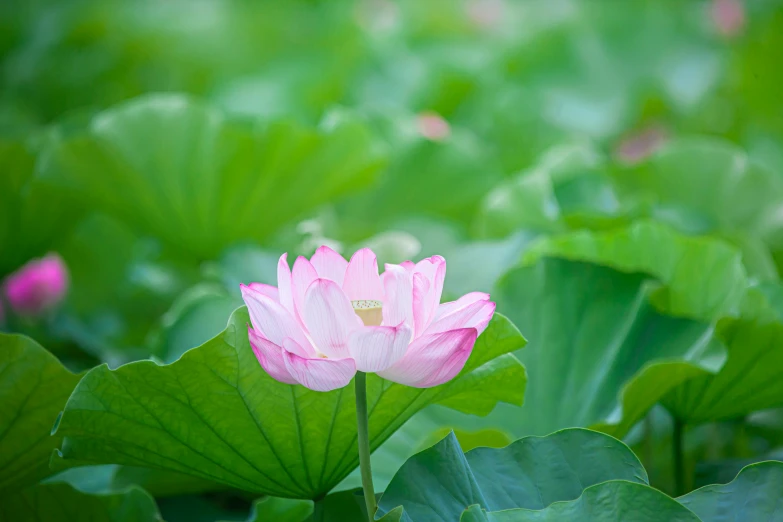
x,y
181,170
216,414
34,387
440,482
704,277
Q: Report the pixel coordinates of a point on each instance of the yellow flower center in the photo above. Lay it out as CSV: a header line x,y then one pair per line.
x,y
370,312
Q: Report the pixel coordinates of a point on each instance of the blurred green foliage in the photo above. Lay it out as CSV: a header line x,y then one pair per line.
x,y
611,171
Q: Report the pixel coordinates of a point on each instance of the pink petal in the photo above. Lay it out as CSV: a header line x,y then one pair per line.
x,y
329,264
271,320
398,296
320,374
408,265
476,315
268,290
433,359
303,276
376,348
430,266
271,357
292,346
284,284
361,277
330,318
426,297
462,302
421,289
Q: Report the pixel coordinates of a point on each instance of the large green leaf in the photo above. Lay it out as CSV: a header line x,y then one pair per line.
x,y
592,329
181,170
64,503
34,387
753,495
705,185
216,414
704,277
611,501
440,482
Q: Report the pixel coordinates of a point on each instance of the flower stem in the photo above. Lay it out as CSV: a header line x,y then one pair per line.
x,y
679,453
364,444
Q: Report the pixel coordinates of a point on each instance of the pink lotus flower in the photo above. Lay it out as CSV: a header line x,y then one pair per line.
x,y
329,318
38,286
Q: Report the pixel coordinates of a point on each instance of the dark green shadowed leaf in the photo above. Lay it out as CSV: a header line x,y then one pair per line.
x,y
704,277
755,494
344,506
183,171
750,380
440,482
64,503
612,501
33,217
591,331
216,414
34,387
280,510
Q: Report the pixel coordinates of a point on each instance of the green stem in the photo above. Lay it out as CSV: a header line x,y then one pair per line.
x,y
362,421
679,453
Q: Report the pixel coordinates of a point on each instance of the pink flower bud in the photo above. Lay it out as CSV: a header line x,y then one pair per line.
x,y
38,286
641,144
728,17
432,126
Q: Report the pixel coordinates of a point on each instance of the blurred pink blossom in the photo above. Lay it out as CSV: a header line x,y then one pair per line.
x,y
329,318
432,126
641,144
485,14
38,286
728,17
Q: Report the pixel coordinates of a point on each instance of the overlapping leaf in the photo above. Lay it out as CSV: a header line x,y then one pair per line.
x,y
216,414
441,482
751,378
565,185
704,277
34,387
60,502
591,330
753,495
611,501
